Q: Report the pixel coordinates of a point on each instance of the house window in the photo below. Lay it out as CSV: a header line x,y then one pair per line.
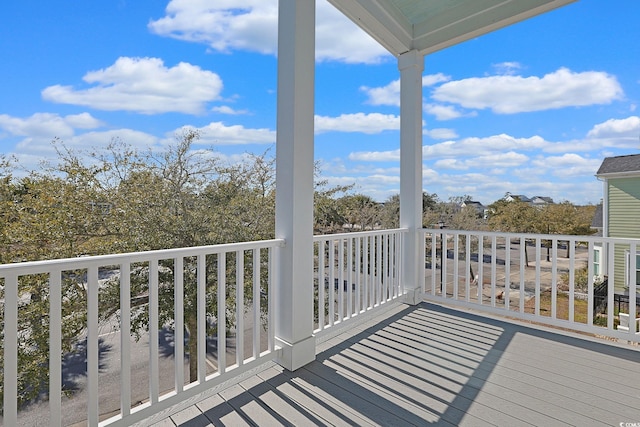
x,y
630,266
596,262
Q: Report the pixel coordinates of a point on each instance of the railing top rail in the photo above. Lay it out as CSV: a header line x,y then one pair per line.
x,y
336,236
578,238
35,267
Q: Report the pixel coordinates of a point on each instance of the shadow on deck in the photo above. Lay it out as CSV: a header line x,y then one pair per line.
x,y
432,365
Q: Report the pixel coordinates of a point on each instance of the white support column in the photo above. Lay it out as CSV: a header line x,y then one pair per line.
x,y
411,65
294,183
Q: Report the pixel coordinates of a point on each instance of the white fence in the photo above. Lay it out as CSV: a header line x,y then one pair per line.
x,y
355,273
577,282
215,302
225,288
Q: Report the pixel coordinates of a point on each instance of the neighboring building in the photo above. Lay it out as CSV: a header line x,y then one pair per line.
x,y
620,215
516,197
482,210
541,201
538,201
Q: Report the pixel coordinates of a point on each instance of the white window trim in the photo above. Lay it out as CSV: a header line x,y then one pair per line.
x,y
628,265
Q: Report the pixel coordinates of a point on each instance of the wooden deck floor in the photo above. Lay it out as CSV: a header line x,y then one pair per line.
x,y
431,365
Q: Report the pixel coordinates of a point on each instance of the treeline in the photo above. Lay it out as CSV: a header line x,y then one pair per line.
x,y
121,200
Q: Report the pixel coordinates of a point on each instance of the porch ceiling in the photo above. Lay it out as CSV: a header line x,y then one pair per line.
x,y
432,25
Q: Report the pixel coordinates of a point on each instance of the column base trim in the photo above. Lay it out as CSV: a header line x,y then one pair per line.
x,y
294,356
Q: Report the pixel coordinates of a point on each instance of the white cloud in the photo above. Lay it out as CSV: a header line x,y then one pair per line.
x,y
476,147
384,95
569,164
390,94
446,112
510,159
225,109
516,94
440,133
217,133
450,164
47,125
376,156
251,25
358,122
143,85
617,128
507,68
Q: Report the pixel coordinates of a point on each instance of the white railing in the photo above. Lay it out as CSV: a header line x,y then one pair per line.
x,y
355,273
577,282
221,285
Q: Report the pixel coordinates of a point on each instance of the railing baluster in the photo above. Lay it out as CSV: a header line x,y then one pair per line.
x,y
467,258
350,278
590,284
572,280
221,320
178,296
366,265
358,275
633,280
554,278
611,288
507,273
10,398
240,308
443,263
55,348
125,338
321,284
378,270
154,367
480,276
493,270
523,257
92,345
256,303
332,279
201,319
272,277
341,280
434,260
456,265
537,304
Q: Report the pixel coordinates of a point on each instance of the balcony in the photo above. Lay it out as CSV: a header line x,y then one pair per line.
x,y
494,341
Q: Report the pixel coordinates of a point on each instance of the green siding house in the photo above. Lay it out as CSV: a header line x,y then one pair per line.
x,y
621,213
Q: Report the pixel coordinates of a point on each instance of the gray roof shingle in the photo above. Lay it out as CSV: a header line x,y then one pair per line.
x,y
620,164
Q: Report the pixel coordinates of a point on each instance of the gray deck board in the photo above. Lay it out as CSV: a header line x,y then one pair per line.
x,y
433,365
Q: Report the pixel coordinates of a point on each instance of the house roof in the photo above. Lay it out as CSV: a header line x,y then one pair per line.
x,y
429,26
520,197
541,199
597,220
620,165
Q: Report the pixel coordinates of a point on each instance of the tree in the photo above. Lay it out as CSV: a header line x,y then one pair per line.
x,y
566,218
360,211
514,217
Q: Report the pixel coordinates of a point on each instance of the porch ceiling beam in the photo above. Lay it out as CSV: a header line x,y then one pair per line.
x,y
380,20
429,26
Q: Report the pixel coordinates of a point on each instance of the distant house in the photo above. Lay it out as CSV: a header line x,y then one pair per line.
x,y
537,201
620,214
541,201
516,197
481,209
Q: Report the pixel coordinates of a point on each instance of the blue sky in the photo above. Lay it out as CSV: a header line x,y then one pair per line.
x,y
530,109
